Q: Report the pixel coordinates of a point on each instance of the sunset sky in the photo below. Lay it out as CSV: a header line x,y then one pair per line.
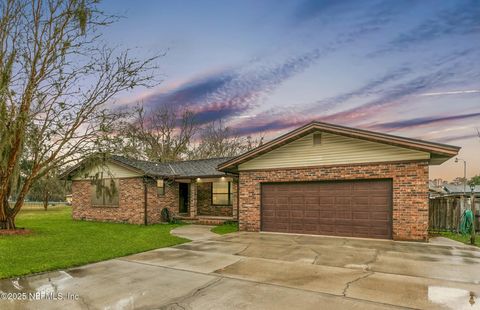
x,y
408,68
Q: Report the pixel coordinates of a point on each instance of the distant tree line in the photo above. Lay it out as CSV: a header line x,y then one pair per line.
x,y
168,133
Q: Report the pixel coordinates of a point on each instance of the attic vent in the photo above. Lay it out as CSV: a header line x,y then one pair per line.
x,y
317,139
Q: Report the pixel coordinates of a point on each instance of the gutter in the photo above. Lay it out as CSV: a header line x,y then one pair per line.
x,y
238,204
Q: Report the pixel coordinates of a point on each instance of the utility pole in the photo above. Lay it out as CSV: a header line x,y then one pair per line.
x,y
472,206
464,198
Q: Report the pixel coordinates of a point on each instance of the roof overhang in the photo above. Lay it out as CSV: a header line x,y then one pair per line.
x,y
439,153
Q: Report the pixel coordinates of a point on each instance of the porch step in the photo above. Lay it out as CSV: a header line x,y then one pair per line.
x,y
186,219
205,220
213,220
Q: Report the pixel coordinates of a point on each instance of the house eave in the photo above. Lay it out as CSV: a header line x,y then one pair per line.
x,y
437,150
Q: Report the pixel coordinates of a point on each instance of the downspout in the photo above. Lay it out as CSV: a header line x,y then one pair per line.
x,y
145,191
238,202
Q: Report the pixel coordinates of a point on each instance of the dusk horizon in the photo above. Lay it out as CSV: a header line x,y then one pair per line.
x,y
405,68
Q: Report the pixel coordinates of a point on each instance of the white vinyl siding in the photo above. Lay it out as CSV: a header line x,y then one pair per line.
x,y
110,170
333,149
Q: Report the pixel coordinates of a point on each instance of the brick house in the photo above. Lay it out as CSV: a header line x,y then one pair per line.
x,y
317,179
193,191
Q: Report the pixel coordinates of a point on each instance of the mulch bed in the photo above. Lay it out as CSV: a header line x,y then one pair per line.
x,y
18,231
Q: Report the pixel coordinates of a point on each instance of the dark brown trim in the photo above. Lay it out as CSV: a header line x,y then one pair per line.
x,y
420,145
339,165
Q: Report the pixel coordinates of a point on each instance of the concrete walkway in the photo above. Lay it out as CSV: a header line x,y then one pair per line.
x,y
267,271
194,232
448,242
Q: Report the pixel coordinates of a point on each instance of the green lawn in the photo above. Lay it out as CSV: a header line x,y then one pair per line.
x,y
225,228
59,242
461,238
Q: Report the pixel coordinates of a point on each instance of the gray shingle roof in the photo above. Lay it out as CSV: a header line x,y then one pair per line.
x,y
188,168
458,189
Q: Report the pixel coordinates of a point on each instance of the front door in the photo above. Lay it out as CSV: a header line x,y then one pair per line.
x,y
184,197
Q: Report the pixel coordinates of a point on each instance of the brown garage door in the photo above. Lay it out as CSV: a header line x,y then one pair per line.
x,y
360,208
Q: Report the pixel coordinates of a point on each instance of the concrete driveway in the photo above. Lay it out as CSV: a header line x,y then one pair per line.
x,y
267,271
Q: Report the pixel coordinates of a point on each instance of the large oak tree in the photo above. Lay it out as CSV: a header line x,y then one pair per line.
x,y
56,80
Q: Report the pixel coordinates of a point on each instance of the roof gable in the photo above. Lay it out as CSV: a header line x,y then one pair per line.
x,y
109,169
330,149
438,152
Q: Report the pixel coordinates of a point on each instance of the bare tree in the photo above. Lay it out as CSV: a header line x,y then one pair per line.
x,y
218,140
55,81
162,135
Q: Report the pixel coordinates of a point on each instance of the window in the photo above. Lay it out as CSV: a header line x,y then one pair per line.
x,y
160,187
222,193
105,193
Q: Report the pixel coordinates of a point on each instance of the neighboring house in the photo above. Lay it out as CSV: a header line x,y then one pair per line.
x,y
317,179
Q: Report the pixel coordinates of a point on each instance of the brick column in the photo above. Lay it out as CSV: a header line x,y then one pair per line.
x,y
235,199
192,206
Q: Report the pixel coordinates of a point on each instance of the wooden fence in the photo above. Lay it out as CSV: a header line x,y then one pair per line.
x,y
445,212
39,204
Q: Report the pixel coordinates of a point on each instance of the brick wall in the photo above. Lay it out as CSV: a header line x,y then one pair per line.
x,y
131,202
157,202
410,192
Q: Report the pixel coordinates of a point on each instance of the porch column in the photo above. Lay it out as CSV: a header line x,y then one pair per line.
x,y
193,199
235,199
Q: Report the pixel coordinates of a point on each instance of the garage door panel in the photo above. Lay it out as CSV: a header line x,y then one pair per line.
x,y
361,200
347,208
343,215
328,229
268,213
297,214
326,199
327,214
311,199
360,215
310,228
377,208
269,202
385,216
299,219
381,200
282,206
282,213
312,214
280,227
